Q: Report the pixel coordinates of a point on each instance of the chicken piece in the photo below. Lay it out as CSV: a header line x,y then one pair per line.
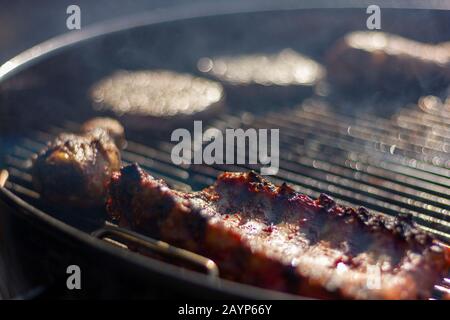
x,y
273,237
74,169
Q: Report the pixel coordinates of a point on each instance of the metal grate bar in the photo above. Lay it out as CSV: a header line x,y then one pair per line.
x,y
347,140
319,154
315,140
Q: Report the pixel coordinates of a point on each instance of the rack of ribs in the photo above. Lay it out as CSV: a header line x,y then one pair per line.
x,y
273,237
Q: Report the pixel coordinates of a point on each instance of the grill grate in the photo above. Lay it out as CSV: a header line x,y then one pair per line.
x,y
361,160
390,165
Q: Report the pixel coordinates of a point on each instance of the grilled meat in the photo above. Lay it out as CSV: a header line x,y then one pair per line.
x,y
384,61
282,78
147,99
273,237
75,168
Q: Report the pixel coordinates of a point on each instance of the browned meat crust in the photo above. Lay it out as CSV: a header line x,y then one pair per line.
x,y
384,61
74,170
273,237
113,127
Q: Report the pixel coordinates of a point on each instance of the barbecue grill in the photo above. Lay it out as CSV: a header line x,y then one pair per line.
x,y
389,154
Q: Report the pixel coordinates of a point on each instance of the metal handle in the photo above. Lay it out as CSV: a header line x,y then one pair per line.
x,y
157,246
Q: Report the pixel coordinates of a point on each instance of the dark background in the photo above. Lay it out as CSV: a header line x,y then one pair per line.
x,y
24,23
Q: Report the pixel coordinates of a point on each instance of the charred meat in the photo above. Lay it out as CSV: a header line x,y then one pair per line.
x,y
75,169
273,237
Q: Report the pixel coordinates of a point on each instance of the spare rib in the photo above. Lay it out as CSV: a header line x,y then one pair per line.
x,y
273,237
